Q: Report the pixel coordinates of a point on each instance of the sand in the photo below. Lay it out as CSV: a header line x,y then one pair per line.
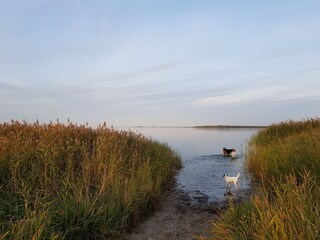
x,y
181,218
177,218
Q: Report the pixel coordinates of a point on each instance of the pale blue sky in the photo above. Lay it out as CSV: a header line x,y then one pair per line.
x,y
164,62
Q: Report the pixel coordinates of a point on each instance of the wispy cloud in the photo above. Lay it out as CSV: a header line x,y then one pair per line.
x,y
258,95
140,73
11,87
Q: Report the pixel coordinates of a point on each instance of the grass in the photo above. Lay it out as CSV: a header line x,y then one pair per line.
x,y
284,159
284,149
62,181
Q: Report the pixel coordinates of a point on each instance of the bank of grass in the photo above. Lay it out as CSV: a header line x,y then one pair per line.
x,y
285,159
62,181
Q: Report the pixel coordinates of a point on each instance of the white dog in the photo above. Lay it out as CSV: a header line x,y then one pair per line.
x,y
230,180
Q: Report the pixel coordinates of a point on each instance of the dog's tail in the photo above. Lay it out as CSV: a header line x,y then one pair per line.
x,y
238,175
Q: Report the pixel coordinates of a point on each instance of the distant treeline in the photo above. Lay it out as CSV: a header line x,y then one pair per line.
x,y
205,126
229,126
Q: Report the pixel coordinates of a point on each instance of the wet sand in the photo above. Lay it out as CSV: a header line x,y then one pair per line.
x,y
182,218
177,219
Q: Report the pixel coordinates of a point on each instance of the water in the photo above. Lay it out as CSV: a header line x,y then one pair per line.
x,y
203,162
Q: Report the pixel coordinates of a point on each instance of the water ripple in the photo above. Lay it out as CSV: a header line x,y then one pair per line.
x,y
202,177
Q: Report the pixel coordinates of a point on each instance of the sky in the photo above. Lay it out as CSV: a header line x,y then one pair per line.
x,y
159,62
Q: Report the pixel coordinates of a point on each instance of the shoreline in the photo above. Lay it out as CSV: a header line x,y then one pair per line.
x,y
206,126
180,217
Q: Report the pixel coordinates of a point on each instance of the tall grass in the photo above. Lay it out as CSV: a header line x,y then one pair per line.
x,y
73,182
283,149
285,159
281,130
292,212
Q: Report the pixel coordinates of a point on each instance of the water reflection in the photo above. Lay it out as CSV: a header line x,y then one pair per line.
x,y
203,161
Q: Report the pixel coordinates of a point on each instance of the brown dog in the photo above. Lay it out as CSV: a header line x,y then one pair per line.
x,y
229,152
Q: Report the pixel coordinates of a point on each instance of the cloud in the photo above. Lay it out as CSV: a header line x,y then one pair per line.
x,y
258,95
11,94
143,72
9,86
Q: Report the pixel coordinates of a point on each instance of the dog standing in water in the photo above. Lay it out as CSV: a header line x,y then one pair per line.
x,y
229,152
230,180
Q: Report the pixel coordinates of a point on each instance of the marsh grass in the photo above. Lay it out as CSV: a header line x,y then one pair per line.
x,y
291,212
62,181
284,159
284,149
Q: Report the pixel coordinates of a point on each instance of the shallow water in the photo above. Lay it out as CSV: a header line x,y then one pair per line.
x,y
203,162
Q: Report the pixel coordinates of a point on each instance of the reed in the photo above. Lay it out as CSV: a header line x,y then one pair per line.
x,y
62,181
281,130
291,212
284,149
285,159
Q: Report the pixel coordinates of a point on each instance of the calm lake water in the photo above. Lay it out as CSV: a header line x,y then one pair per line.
x,y
203,162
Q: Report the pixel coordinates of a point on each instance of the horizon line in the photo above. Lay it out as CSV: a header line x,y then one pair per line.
x,y
204,126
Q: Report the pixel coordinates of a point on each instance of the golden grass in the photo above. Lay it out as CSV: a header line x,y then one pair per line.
x,y
73,182
285,159
284,149
292,212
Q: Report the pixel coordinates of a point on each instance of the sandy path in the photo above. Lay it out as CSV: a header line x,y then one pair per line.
x,y
180,218
176,219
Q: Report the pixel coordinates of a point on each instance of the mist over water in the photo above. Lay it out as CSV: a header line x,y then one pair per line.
x,y
203,162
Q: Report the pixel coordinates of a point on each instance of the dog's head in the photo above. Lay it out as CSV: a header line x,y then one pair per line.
x,y
224,175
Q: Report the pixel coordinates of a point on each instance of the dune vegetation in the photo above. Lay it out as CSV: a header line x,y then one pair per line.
x,y
285,159
61,181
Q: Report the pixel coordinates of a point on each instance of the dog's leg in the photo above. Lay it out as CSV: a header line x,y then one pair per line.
x,y
236,184
228,187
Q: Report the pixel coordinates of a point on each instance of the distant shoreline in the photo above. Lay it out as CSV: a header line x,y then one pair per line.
x,y
229,126
205,126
